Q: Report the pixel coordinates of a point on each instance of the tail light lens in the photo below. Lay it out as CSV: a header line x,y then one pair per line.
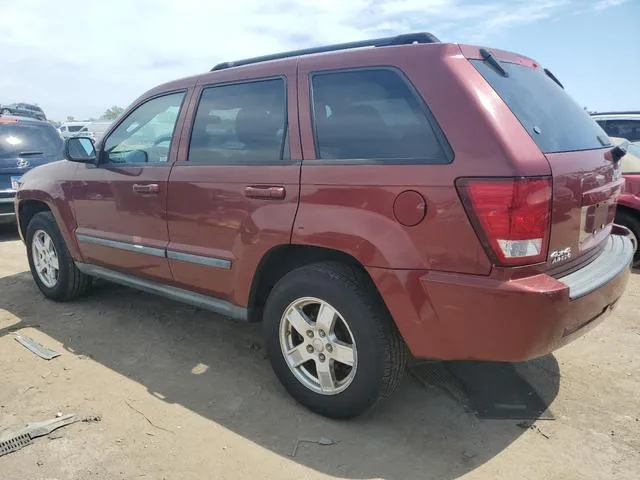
x,y
512,216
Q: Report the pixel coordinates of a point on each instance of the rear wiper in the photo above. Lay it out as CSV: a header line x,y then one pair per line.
x,y
493,61
26,154
553,77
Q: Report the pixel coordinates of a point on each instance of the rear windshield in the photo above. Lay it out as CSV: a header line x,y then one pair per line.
x,y
29,139
74,128
553,119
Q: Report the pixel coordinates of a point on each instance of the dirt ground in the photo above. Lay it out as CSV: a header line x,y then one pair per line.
x,y
184,395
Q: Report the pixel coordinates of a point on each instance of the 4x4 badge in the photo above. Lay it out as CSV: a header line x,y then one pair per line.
x,y
560,255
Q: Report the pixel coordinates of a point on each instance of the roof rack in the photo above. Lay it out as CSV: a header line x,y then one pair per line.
x,y
619,112
406,39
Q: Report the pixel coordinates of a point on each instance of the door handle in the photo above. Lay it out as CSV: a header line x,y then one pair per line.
x,y
265,192
146,188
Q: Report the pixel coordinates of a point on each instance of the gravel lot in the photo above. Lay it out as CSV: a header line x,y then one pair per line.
x,y
184,395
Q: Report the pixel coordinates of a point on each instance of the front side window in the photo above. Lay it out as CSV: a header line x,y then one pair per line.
x,y
373,114
145,134
240,123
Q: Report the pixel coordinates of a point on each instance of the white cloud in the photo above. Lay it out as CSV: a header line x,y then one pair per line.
x,y
604,4
77,57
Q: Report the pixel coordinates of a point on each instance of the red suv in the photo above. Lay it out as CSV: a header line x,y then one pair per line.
x,y
357,199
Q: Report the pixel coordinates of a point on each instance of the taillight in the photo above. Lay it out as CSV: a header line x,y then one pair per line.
x,y
512,216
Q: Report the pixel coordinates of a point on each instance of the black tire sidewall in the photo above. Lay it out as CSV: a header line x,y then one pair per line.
x,y
633,224
46,222
367,384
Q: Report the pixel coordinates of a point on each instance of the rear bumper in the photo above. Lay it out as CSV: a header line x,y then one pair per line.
x,y
454,316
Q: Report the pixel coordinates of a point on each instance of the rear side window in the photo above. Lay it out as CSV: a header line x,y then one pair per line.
x,y
240,123
373,114
32,140
629,129
551,117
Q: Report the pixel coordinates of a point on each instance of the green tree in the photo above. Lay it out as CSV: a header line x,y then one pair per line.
x,y
112,113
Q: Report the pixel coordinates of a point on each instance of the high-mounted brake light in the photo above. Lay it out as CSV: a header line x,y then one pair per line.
x,y
512,216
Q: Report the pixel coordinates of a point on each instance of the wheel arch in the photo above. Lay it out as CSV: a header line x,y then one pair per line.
x,y
282,259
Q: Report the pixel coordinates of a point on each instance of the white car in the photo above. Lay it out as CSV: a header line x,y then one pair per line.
x,y
94,130
620,124
69,129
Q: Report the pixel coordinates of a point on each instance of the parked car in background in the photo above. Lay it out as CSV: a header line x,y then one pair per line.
x,y
444,198
69,129
94,130
628,212
23,110
25,143
620,124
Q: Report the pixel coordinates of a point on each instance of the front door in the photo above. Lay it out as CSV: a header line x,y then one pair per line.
x,y
120,204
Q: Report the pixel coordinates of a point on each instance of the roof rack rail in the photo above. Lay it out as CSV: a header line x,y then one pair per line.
x,y
405,39
618,112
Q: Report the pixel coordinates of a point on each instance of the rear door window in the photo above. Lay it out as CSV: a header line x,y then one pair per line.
x,y
23,139
373,114
551,117
241,123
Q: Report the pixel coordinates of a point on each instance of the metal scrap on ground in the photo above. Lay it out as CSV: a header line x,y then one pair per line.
x,y
35,347
12,442
319,441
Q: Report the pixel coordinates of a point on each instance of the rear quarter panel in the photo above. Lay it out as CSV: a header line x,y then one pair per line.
x,y
350,207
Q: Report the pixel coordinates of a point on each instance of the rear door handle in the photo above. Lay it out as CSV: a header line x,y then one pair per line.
x,y
146,188
266,192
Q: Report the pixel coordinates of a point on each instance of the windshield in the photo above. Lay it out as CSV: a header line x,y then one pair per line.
x,y
553,120
33,140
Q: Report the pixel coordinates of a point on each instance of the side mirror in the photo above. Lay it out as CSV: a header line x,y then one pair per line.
x,y
80,149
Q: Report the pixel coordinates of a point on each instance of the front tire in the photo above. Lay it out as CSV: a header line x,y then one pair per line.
x,y
51,265
331,340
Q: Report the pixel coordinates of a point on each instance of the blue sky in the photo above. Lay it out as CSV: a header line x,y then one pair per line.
x,y
77,58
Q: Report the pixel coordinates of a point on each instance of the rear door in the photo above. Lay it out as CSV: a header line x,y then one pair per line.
x,y
120,204
586,182
234,189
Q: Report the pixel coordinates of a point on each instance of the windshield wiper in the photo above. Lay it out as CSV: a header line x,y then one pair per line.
x,y
553,77
27,154
493,61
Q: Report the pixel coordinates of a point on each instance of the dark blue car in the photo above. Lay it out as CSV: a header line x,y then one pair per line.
x,y
25,143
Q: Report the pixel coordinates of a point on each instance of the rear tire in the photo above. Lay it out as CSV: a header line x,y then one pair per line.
x,y
632,223
355,328
46,250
